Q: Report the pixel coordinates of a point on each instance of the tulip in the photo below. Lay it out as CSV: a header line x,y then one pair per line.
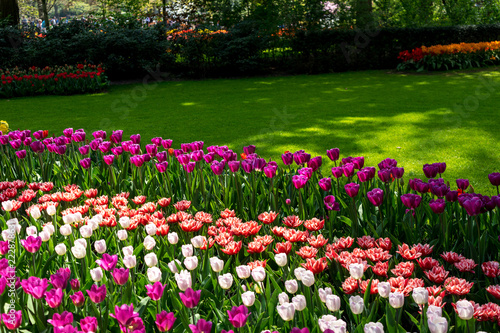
x,y
165,321
356,271
465,309
437,205
97,294
124,222
12,320
384,289
434,311
191,262
323,293
129,261
198,241
462,184
298,272
54,297
154,274
332,302
437,324
325,184
226,280
85,163
120,276
173,266
286,311
299,302
283,298
291,286
248,298
150,259
108,262
356,304
238,316
430,170
396,299
96,274
155,291
149,243
190,298
259,274
420,295
216,264
100,246
86,231
202,326
31,244
374,328
187,250
78,251
60,249
352,189
173,238
376,196
330,203
299,181
75,284
281,259
287,158
243,271
183,280
411,200
78,299
333,154
307,278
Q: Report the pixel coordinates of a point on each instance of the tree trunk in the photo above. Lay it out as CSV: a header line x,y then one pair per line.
x,y
9,9
164,12
363,13
45,14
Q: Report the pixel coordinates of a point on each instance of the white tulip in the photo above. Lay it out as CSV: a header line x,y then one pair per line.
x,y
128,250
96,274
216,264
78,251
248,298
286,311
332,302
122,234
326,322
7,205
437,324
191,262
374,328
198,241
283,298
86,231
357,304
307,278
65,230
100,246
150,259
187,250
154,274
68,219
124,222
44,235
60,249
420,295
226,280
129,261
31,231
151,229
465,309
291,286
384,289
396,300
51,210
299,302
356,271
149,243
281,259
298,272
172,238
49,228
243,271
323,293
183,280
82,242
173,267
259,274
35,213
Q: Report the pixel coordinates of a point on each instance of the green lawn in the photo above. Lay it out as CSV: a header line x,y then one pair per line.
x,y
412,118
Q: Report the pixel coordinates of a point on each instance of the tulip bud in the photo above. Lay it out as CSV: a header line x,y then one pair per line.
x,y
65,230
384,289
183,280
299,302
124,222
465,309
100,246
433,310
396,300
307,278
31,231
35,213
86,231
226,280
437,324
151,259
129,261
283,298
216,264
420,295
323,293
51,210
60,249
248,298
259,274
198,241
191,262
149,243
374,328
291,286
122,234
357,304
286,311
243,271
78,251
82,242
44,236
154,274
151,229
173,238
298,272
333,302
128,250
356,271
173,267
281,259
96,274
187,250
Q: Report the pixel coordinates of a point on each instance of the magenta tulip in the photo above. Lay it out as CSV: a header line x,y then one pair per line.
x,y
31,244
376,196
238,316
190,298
120,275
437,205
12,320
352,189
78,299
54,297
333,154
155,291
165,321
411,200
97,294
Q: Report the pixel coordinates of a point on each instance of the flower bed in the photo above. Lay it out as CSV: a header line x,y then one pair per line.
x,y
64,80
440,57
111,235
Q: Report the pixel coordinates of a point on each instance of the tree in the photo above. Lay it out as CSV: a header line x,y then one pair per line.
x,y
9,10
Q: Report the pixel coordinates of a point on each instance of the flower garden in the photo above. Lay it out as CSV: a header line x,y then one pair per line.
x,y
103,232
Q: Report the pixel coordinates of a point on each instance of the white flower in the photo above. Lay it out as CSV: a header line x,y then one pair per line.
x,y
357,304
86,231
291,286
437,324
128,250
216,264
173,267
198,241
183,280
243,271
283,298
149,243
326,322
129,261
96,274
172,238
82,242
78,251
31,231
7,205
51,210
49,228
281,259
154,274
124,222
61,249
191,262
65,230
226,280
151,259
69,219
374,328
77,217
151,229
323,293
44,235
332,302
298,272
384,289
307,278
35,213
286,311
248,298
433,310
122,234
420,295
299,302
396,300
465,309
100,246
259,274
356,271
187,250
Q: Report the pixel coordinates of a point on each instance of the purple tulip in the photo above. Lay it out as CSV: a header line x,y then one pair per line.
x,y
217,167
59,280
363,176
135,138
84,150
307,172
358,162
166,144
117,151
301,157
234,166
189,167
165,321
61,150
202,326
137,160
384,175
68,132
209,157
51,147
185,147
330,203
388,163
490,204
108,159
75,284
105,146
238,316
78,299
437,205
411,200
151,149
462,184
197,155
190,298
37,146
288,201
473,206
333,154
259,164
99,135
78,137
124,314
116,137
94,144
430,170
247,166
108,262
133,148
494,178
35,287
120,276
287,158
352,189
27,142
298,330
61,320
452,196
31,244
184,159
325,184
161,167
155,291
337,172
315,163
439,190
85,163
4,139
249,149
97,294
21,154
397,173
146,157
348,169
441,167
89,324
38,135
12,323
376,196
421,186
270,171
299,181
54,297
347,159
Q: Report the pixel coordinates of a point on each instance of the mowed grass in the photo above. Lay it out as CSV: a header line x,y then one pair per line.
x,y
416,119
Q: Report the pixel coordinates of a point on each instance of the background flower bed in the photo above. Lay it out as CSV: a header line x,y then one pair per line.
x,y
247,48
307,203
